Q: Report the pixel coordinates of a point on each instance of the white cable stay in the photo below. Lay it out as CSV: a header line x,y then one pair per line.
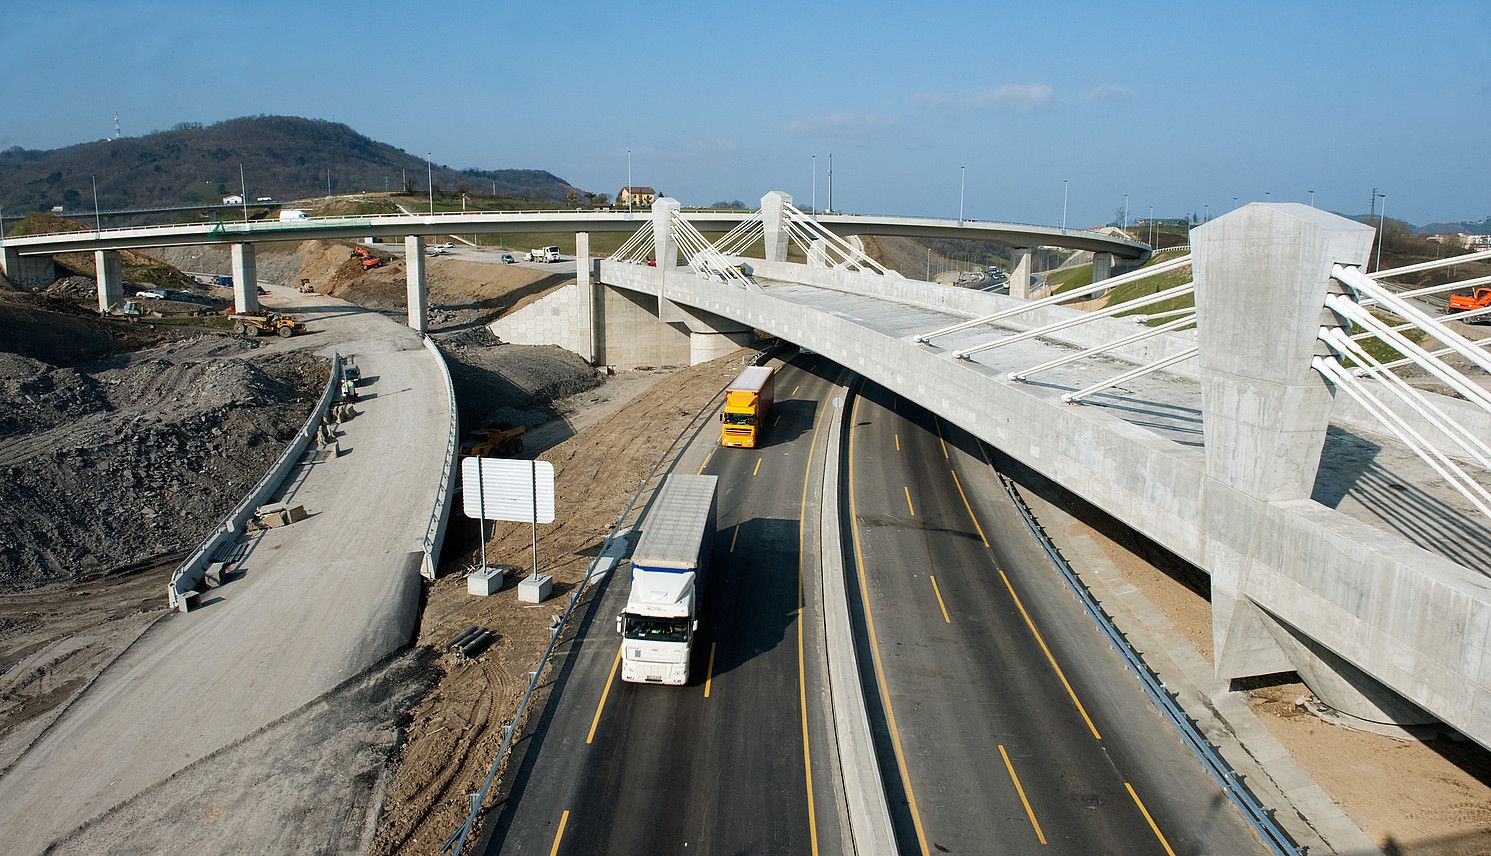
x,y
1416,400
628,250
1442,352
1173,313
1353,278
853,257
1157,297
739,239
1148,333
1101,285
1141,371
1437,263
1453,316
704,259
1436,289
1348,309
1396,425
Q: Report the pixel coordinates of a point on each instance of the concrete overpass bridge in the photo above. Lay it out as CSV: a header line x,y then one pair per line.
x,y
1342,519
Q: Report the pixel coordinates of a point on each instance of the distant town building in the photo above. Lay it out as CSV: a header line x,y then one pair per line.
x,y
1469,242
636,196
235,199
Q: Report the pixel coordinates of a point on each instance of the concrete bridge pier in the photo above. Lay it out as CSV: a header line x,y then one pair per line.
x,y
414,277
773,225
108,270
587,280
1020,273
27,272
1262,273
245,278
1102,266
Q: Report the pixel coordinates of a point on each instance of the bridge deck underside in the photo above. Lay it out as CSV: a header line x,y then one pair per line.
x,y
1371,477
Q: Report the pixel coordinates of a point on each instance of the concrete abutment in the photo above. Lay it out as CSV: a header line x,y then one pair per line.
x,y
245,278
108,270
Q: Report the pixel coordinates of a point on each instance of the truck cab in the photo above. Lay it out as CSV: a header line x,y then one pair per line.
x,y
657,629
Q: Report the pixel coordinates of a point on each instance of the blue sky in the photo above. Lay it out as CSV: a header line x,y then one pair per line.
x,y
1179,106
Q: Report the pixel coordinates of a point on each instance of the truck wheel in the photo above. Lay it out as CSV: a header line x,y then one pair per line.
x,y
241,328
285,332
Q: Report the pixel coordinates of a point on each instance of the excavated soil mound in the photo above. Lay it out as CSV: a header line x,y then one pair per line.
x,y
135,456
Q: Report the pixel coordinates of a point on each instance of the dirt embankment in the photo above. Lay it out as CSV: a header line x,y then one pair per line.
x,y
454,731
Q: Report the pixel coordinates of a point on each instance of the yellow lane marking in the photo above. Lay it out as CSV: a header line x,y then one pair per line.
x,y
971,515
706,462
709,671
605,692
1029,812
1059,673
898,442
795,389
909,507
559,833
938,422
733,537
776,420
864,595
802,679
758,467
938,591
1157,833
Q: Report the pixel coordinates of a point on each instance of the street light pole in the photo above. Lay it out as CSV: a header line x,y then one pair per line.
x,y
1063,206
815,185
962,181
629,194
1312,199
430,179
98,222
1125,212
1234,203
830,208
1381,221
243,192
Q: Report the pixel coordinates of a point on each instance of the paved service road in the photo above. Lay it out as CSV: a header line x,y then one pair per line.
x,y
740,760
313,604
1004,721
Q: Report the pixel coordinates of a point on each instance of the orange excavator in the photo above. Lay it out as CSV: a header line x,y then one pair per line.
x,y
1479,299
369,260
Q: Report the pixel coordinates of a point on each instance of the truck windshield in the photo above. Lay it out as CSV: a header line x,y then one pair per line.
x,y
656,629
738,418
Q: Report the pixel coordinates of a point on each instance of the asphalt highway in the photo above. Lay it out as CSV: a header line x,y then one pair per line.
x,y
739,761
1004,722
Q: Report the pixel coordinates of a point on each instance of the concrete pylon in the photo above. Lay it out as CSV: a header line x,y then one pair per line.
x,y
1262,273
109,276
245,278
1102,266
774,225
414,278
585,285
1020,273
664,246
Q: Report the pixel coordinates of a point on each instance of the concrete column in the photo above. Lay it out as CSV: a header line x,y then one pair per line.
x,y
1261,273
1020,273
109,275
1102,266
414,261
817,255
585,285
245,278
664,247
10,261
773,225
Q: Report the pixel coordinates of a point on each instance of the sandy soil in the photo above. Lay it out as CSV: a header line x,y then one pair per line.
x,y
454,731
1418,798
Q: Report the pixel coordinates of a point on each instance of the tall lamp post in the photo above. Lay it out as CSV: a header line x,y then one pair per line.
x,y
98,221
430,179
1063,206
629,193
1125,212
1381,221
1312,199
962,181
243,192
815,185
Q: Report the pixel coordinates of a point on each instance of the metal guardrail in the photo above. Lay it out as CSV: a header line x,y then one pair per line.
x,y
440,510
1258,816
509,731
228,528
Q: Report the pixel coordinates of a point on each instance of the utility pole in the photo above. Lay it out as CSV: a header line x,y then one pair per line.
x,y
1372,206
328,179
830,208
929,264
1206,217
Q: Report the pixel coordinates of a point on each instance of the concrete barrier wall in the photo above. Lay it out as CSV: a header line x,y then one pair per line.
x,y
1410,618
188,575
445,490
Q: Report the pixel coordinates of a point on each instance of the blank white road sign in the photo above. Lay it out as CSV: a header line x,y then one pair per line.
x,y
503,489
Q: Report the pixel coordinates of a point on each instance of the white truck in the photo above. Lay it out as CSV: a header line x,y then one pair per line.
x,y
544,254
289,215
668,570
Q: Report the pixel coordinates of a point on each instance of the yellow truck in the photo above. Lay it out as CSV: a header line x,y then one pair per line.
x,y
747,402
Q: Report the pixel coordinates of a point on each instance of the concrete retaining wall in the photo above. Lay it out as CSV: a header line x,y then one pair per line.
x,y
188,575
445,491
1414,620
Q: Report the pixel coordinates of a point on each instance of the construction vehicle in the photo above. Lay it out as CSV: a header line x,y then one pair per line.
x,y
747,402
544,254
668,568
496,440
305,287
369,260
1479,299
284,326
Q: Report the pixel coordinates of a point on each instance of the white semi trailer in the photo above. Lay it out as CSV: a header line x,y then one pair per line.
x,y
668,570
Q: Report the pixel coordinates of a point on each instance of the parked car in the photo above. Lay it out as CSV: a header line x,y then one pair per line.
x,y
507,259
445,247
155,293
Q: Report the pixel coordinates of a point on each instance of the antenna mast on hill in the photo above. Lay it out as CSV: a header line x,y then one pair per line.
x,y
117,132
